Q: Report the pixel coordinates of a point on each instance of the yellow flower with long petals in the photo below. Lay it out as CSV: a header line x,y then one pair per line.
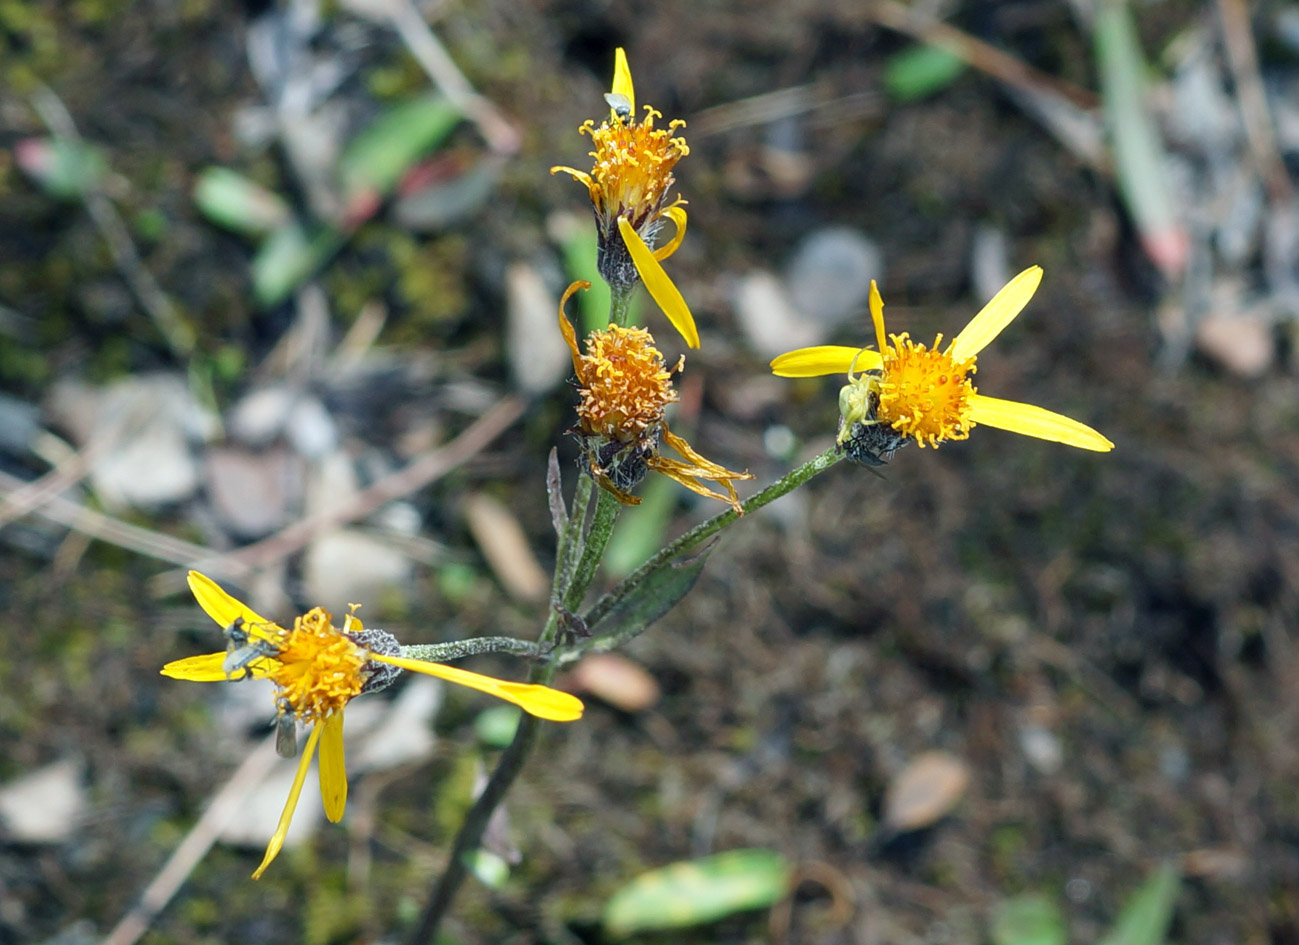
x,y
625,387
906,391
317,669
629,185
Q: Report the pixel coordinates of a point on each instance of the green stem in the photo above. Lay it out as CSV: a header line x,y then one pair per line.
x,y
697,535
568,584
597,539
620,303
459,649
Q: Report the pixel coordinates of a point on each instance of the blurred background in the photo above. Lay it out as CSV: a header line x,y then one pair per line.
x,y
277,300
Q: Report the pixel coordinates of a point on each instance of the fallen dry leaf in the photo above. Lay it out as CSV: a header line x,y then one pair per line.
x,y
925,790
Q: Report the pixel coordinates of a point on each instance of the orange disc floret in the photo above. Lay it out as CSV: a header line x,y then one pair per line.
x,y
925,394
625,385
320,668
633,164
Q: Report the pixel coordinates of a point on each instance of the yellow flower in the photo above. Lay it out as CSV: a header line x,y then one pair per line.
x,y
624,388
629,186
909,392
317,669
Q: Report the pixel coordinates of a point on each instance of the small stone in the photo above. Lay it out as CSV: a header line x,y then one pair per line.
x,y
261,415
310,428
1041,747
349,566
830,274
925,791
539,358
1241,342
44,806
150,462
617,680
768,316
253,493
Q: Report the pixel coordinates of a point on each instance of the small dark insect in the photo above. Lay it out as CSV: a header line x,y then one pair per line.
x,y
621,106
242,650
871,444
286,731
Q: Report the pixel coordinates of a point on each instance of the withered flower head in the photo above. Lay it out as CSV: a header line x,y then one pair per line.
x,y
625,387
629,185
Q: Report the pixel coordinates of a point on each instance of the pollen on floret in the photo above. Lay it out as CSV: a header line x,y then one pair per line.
x,y
626,385
633,163
925,393
319,668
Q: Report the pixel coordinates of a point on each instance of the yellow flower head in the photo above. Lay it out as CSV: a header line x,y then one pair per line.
x,y
909,392
317,669
629,185
624,387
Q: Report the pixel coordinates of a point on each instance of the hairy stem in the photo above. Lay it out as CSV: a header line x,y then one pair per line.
x,y
696,536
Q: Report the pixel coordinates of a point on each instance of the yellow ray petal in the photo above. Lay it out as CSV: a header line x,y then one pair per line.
x,y
677,214
622,79
541,701
219,605
824,359
333,770
659,285
566,327
997,314
277,839
205,668
877,316
582,177
1036,421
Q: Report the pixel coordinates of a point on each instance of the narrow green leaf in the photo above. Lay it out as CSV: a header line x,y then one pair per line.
x,y
649,600
288,258
698,891
61,167
1028,920
1149,911
921,71
229,199
1139,157
375,160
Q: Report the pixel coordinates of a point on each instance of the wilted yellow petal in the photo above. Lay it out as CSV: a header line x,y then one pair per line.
x,y
677,214
541,701
219,605
996,315
824,359
206,668
566,327
277,839
582,177
1035,421
333,769
659,285
622,78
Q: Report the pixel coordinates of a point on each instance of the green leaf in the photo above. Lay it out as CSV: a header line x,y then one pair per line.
x,y
1149,911
495,727
61,167
1140,161
649,600
488,868
1028,920
290,257
375,160
231,200
639,532
921,71
697,891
